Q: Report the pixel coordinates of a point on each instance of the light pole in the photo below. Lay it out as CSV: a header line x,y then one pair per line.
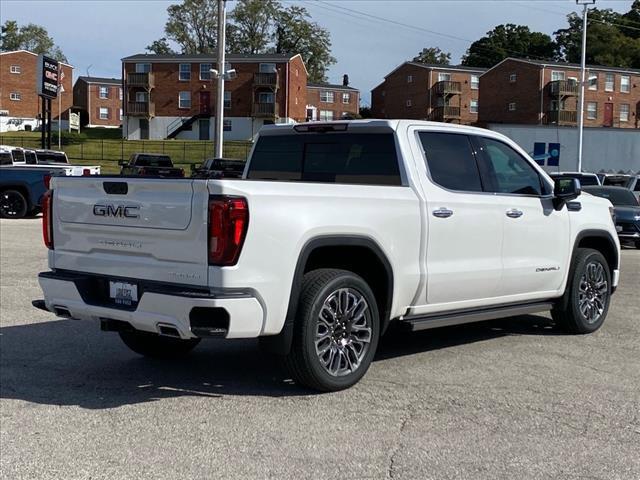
x,y
219,141
583,73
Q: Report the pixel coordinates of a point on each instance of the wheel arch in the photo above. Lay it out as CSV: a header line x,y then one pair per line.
x,y
359,254
600,240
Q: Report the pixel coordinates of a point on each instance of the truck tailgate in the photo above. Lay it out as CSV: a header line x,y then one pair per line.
x,y
151,229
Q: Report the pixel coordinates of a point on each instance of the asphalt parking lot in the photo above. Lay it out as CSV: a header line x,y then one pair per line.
x,y
498,400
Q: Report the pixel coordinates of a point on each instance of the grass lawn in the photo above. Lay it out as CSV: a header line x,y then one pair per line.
x,y
105,147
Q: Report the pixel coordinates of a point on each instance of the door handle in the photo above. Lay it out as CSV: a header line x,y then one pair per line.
x,y
514,213
442,212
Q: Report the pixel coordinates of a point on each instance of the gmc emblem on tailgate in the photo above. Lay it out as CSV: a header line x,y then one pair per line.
x,y
121,211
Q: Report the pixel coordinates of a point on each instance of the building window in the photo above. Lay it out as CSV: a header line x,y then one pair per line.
x,y
104,113
557,105
142,97
120,117
473,106
384,93
15,69
120,92
444,77
267,68
205,71
185,72
593,81
512,78
610,82
624,112
184,100
556,76
346,98
326,115
227,99
266,97
227,125
625,83
592,110
409,78
475,82
104,92
15,96
326,97
409,103
512,107
143,67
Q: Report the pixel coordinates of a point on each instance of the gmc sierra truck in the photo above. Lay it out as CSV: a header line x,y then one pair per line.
x,y
334,231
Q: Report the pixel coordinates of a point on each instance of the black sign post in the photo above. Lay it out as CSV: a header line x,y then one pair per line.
x,y
47,80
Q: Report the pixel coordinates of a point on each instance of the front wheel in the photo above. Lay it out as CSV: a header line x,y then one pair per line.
x,y
13,204
335,332
157,346
585,304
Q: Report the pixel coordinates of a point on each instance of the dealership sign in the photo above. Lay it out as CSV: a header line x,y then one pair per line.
x,y
47,77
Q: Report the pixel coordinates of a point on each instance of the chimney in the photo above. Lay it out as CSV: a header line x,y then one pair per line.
x,y
345,80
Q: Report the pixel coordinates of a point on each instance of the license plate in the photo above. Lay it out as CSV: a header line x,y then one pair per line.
x,y
618,228
123,293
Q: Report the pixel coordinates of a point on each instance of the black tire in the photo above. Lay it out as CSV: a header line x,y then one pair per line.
x,y
638,245
13,204
584,285
157,346
345,333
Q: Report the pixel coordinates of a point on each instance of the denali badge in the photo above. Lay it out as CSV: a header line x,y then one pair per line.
x,y
547,269
120,211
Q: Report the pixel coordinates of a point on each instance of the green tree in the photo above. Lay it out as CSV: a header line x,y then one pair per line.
x,y
632,19
253,25
509,41
433,56
296,33
607,43
161,47
31,37
193,25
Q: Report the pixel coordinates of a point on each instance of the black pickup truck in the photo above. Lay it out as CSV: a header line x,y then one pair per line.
x,y
150,165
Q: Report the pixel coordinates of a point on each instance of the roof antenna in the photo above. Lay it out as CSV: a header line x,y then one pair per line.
x,y
89,68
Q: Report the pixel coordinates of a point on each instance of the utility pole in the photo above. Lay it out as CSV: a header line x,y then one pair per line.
x,y
219,133
583,73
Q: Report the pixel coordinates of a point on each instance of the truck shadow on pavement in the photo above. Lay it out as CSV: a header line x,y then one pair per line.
x,y
68,362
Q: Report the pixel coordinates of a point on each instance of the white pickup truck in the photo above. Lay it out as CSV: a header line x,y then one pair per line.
x,y
335,230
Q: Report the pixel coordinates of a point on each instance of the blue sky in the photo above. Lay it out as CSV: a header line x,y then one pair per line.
x,y
95,35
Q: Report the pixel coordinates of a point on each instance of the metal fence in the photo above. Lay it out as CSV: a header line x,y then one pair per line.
x,y
109,152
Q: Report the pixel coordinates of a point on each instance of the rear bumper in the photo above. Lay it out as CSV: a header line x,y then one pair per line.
x,y
155,309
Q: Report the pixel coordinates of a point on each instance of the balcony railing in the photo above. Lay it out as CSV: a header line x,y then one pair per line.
x,y
144,80
562,117
141,109
564,88
265,110
442,114
265,79
446,87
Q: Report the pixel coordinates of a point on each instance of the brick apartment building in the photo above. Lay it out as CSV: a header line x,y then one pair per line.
x,y
520,91
19,102
441,93
99,101
173,96
326,102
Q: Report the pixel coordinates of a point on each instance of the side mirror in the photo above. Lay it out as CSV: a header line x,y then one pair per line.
x,y
123,163
193,167
565,190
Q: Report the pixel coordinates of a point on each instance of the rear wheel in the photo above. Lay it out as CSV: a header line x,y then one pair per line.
x,y
638,244
13,204
157,346
585,304
335,332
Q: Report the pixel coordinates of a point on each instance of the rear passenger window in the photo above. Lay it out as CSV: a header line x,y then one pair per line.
x,y
354,158
451,161
5,159
504,170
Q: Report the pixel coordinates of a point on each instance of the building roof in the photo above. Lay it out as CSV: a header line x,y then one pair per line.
x,y
438,66
231,57
575,66
332,86
102,80
31,53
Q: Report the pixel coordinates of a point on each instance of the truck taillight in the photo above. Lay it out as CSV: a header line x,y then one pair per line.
x,y
86,172
228,222
47,219
47,181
